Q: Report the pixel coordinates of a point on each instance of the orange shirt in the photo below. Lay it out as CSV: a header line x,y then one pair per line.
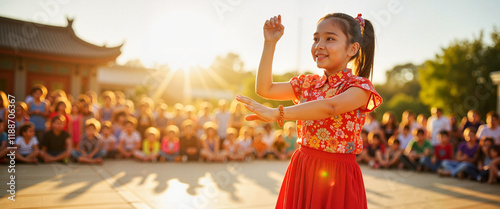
x,y
338,134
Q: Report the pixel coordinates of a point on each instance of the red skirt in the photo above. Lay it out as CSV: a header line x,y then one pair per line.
x,y
318,179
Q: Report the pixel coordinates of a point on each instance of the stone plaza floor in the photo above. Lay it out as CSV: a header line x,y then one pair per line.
x,y
193,185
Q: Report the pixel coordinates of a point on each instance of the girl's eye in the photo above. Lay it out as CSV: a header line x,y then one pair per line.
x,y
315,39
330,39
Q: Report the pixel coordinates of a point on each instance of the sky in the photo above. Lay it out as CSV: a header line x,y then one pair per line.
x,y
189,33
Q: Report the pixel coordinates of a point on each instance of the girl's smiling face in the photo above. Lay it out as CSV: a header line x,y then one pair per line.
x,y
329,49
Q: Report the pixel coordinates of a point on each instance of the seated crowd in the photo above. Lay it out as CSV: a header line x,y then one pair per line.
x,y
436,144
58,128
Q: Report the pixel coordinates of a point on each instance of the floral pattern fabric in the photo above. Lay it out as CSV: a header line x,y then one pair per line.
x,y
338,134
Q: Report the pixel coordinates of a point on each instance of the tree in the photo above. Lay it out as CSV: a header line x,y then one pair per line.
x,y
457,79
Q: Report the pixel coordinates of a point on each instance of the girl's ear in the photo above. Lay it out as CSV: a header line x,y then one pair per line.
x,y
353,49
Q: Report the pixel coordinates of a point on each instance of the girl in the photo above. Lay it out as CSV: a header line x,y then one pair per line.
x,y
375,150
27,144
109,140
389,125
210,144
145,117
330,113
21,116
76,125
150,146
392,154
62,107
231,146
279,145
259,147
237,118
107,109
203,117
170,144
38,110
245,142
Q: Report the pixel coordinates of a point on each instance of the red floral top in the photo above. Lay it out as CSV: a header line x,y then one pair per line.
x,y
338,134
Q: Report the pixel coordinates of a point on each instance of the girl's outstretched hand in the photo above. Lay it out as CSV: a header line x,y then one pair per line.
x,y
273,29
262,112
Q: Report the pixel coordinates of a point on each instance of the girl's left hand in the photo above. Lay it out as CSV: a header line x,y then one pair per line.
x,y
262,112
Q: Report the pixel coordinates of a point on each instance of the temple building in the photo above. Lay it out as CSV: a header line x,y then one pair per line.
x,y
33,53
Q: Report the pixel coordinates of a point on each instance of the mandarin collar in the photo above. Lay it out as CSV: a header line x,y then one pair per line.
x,y
335,79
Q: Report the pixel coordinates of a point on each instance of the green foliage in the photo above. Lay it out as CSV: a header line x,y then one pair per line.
x,y
400,91
457,79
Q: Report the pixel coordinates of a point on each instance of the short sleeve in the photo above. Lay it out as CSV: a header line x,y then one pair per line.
x,y
374,100
18,140
296,83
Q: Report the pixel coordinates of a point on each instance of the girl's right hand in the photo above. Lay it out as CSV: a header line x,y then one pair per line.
x,y
273,29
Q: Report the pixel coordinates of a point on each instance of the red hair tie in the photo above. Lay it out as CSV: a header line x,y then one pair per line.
x,y
361,22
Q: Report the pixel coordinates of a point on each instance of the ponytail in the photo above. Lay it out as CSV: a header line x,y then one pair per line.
x,y
363,59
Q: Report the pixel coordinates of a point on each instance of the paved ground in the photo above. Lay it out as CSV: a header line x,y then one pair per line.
x,y
130,184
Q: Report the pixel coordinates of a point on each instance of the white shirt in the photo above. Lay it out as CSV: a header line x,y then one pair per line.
x,y
435,125
130,141
404,140
485,131
25,149
268,138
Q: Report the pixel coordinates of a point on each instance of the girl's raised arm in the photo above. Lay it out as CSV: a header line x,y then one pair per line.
x,y
264,86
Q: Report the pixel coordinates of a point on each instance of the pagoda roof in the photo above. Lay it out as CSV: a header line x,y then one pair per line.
x,y
50,42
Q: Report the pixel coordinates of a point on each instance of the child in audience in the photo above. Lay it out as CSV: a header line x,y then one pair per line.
x,y
405,136
89,150
76,125
231,146
392,154
494,165
109,140
21,116
259,146
130,139
416,150
373,155
268,136
87,113
27,144
442,151
106,111
210,144
491,128
150,146
56,143
161,118
189,143
38,110
279,145
145,117
290,138
464,158
62,107
245,141
170,145
479,170
119,122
